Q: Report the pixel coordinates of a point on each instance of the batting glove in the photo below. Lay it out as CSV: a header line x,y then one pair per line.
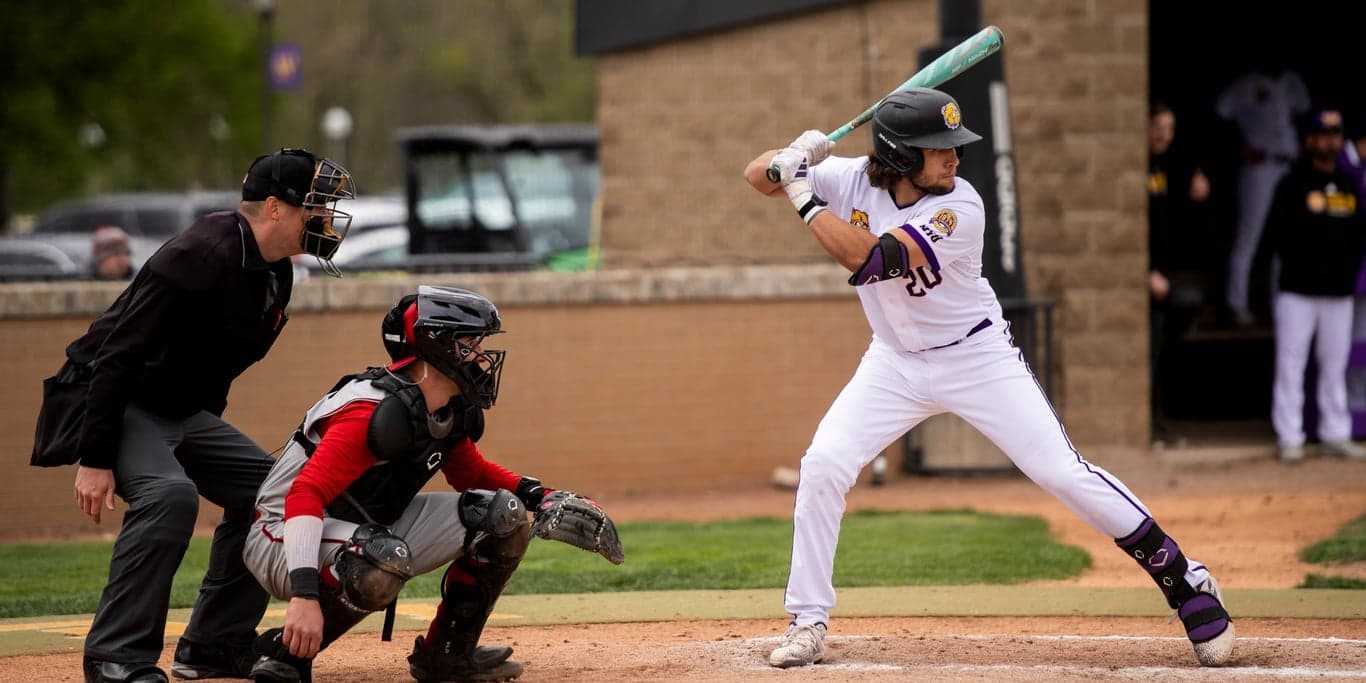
x,y
792,170
814,144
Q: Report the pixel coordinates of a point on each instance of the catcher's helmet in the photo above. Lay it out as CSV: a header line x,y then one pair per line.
x,y
916,119
446,326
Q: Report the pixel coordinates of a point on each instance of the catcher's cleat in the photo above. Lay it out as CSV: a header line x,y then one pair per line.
x,y
1208,625
800,646
275,664
433,664
194,661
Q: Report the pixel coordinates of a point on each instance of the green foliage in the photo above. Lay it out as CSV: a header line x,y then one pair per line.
x,y
1347,545
151,74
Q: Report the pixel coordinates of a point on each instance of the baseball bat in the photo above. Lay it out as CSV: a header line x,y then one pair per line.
x,y
960,58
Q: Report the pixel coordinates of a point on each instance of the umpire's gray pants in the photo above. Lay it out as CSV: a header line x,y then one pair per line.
x,y
162,468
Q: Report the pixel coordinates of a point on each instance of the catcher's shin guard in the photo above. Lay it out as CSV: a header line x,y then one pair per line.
x,y
497,537
1201,609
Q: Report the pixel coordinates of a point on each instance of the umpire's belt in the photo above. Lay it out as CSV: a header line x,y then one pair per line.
x,y
986,322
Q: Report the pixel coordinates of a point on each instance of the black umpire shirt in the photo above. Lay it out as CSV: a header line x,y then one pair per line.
x,y
1318,230
201,311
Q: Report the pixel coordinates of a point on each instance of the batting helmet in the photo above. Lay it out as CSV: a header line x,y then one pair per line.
x,y
445,326
917,119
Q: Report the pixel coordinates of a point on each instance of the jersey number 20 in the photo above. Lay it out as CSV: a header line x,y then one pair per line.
x,y
921,281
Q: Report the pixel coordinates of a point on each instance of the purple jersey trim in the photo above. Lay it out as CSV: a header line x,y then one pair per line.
x,y
924,246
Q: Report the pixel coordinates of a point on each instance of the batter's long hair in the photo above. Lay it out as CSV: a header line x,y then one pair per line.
x,y
881,175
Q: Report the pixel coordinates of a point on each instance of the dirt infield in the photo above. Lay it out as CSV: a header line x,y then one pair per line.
x,y
1246,520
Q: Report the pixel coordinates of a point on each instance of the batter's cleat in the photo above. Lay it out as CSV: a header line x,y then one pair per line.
x,y
194,661
1208,625
100,671
1291,453
430,664
800,646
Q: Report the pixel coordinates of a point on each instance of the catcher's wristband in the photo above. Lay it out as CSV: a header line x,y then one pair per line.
x,y
305,582
530,492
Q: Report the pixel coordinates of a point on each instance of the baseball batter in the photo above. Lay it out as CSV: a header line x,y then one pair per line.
x,y
911,233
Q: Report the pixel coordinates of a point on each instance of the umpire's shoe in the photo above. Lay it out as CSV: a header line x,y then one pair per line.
x,y
194,661
433,663
100,671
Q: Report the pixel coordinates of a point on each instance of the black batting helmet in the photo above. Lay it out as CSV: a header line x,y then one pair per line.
x,y
446,326
917,119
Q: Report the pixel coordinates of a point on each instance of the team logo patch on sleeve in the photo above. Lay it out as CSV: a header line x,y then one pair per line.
x,y
859,219
945,220
952,117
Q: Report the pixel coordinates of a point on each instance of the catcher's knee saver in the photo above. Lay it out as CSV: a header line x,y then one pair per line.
x,y
496,526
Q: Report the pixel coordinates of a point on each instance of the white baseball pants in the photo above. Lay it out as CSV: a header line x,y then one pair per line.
x,y
1327,320
983,380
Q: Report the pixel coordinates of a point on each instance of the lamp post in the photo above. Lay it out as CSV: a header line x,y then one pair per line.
x,y
337,125
265,9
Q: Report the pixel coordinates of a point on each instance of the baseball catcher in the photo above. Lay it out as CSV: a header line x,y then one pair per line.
x,y
342,524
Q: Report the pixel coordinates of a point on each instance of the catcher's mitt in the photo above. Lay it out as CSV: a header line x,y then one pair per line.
x,y
567,517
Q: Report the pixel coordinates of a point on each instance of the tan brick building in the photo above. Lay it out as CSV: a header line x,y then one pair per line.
x,y
680,117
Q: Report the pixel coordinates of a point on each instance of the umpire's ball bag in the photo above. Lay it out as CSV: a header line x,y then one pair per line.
x,y
61,416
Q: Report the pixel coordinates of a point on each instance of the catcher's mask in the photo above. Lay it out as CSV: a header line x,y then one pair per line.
x,y
299,178
446,327
916,119
373,567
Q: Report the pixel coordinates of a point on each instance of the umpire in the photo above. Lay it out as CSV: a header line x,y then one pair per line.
x,y
161,359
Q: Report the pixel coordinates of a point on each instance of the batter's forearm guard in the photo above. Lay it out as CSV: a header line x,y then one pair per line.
x,y
887,259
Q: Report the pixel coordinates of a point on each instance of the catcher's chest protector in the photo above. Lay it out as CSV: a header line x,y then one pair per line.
x,y
401,436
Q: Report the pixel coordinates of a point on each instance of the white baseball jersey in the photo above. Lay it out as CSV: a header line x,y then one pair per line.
x,y
1263,106
938,304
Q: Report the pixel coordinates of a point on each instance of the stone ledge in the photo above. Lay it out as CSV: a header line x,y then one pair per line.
x,y
749,282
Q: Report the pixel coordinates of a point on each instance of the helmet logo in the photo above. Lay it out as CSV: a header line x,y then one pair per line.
x,y
952,117
944,220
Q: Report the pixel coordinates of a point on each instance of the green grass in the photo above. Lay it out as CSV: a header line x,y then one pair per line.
x,y
66,578
876,549
1347,545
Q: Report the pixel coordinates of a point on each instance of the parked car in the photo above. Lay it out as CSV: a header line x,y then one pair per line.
x,y
149,219
28,259
373,219
149,214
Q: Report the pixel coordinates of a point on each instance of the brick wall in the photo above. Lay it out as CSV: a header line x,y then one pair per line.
x,y
681,119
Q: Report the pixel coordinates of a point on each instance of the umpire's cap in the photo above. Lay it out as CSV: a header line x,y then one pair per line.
x,y
287,175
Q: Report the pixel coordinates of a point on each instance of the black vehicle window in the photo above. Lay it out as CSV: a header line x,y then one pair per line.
x,y
84,219
162,221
